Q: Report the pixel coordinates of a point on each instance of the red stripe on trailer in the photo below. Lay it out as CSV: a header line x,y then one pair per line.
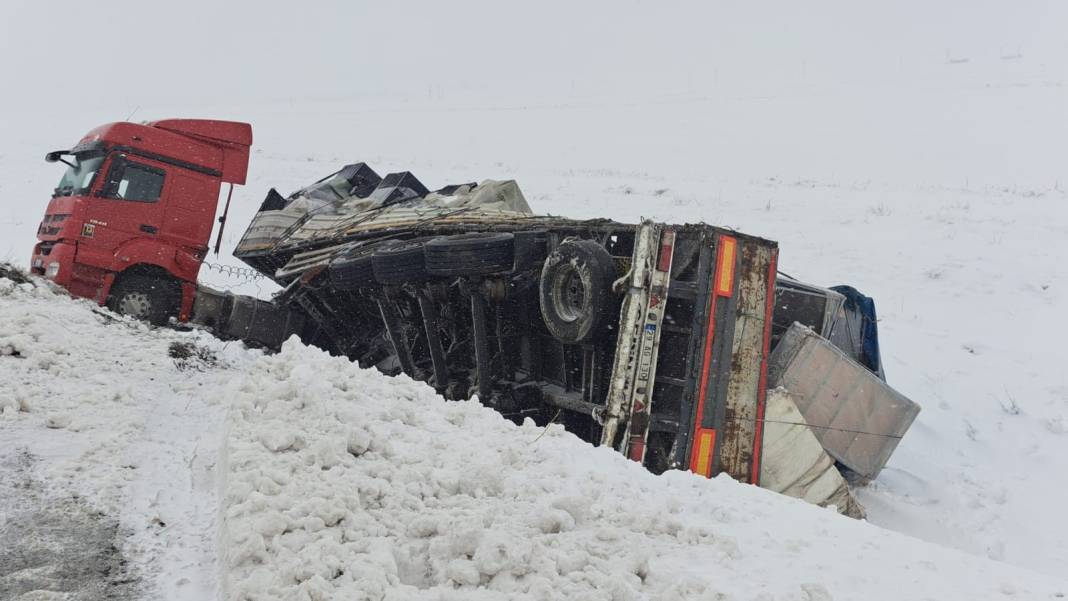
x,y
702,390
666,246
637,449
762,392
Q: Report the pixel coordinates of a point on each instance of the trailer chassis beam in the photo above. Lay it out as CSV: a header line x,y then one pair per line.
x,y
433,338
482,358
395,331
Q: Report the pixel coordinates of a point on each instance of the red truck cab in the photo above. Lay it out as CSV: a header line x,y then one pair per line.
x,y
129,223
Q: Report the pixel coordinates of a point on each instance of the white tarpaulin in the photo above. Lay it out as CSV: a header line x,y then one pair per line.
x,y
794,462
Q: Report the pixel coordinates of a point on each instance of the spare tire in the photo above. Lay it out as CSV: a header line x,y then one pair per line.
x,y
479,253
402,263
352,268
575,292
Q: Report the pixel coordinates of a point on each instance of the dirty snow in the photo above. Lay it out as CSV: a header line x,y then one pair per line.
x,y
113,439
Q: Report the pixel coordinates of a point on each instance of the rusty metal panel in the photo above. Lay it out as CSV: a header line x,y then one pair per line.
x,y
738,453
856,416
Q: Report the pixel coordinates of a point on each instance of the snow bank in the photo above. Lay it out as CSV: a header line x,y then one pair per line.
x,y
339,483
344,484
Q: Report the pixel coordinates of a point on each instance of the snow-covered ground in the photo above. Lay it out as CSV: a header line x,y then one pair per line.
x,y
301,476
95,410
912,150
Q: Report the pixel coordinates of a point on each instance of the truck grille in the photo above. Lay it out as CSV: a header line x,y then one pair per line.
x,y
51,224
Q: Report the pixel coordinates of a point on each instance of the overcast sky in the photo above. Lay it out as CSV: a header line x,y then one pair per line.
x,y
119,55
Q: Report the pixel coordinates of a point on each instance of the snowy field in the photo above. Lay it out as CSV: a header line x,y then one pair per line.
x,y
913,151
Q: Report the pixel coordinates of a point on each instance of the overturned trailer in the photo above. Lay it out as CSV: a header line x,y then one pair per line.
x,y
651,338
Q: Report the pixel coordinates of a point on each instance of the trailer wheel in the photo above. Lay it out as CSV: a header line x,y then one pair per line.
x,y
353,268
477,253
575,292
402,263
144,297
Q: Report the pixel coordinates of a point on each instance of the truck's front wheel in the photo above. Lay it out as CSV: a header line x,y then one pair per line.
x,y
147,298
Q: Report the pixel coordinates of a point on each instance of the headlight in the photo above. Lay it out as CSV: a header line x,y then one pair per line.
x,y
52,271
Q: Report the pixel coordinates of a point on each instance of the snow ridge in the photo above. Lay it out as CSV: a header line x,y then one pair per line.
x,y
344,484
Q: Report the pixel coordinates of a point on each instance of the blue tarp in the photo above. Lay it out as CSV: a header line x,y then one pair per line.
x,y
857,302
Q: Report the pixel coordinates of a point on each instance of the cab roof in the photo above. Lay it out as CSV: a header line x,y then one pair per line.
x,y
220,148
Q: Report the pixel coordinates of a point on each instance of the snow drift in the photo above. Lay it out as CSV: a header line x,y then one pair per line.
x,y
342,483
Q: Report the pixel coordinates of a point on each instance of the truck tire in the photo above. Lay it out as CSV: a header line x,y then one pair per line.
x,y
145,297
353,268
402,263
478,253
575,292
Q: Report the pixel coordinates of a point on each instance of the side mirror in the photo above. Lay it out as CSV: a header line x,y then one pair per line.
x,y
57,156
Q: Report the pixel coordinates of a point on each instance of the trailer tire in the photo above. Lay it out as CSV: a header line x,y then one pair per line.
x,y
353,268
402,263
474,254
575,291
145,297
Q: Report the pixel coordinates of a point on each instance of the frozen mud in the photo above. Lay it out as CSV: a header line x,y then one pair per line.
x,y
56,546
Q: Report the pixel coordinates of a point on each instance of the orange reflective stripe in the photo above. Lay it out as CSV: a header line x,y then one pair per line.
x,y
725,266
702,459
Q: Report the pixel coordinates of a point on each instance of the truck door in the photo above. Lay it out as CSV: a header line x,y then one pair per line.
x,y
189,213
127,206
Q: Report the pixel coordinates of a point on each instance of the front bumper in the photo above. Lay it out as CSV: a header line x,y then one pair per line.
x,y
54,260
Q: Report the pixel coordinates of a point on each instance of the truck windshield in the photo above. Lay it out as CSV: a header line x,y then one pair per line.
x,y
79,175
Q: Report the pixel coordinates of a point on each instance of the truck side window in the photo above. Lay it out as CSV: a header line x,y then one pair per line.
x,y
139,182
